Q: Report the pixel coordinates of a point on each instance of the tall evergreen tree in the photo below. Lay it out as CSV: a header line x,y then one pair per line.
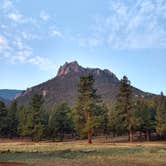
x,y
22,129
60,121
12,119
3,119
161,116
103,119
34,121
145,116
124,109
114,124
86,112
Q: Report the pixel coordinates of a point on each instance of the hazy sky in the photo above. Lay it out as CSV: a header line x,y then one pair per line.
x,y
125,36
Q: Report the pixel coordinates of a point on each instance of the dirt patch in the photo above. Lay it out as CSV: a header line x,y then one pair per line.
x,y
12,164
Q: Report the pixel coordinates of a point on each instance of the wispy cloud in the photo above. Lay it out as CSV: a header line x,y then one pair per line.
x,y
15,43
7,4
88,41
19,52
4,47
53,32
138,24
43,63
44,15
129,25
16,16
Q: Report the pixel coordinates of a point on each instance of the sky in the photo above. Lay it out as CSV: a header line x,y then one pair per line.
x,y
125,36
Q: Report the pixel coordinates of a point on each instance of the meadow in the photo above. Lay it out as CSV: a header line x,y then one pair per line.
x,y
101,153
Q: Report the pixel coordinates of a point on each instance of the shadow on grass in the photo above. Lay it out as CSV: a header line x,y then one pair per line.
x,y
74,154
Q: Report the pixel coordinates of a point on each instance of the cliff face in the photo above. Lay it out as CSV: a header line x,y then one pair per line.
x,y
64,86
70,67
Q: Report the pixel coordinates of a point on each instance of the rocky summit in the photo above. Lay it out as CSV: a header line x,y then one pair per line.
x,y
63,87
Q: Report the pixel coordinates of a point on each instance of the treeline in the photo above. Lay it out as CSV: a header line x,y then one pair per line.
x,y
88,117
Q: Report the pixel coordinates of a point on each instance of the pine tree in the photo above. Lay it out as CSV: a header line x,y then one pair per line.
x,y
104,119
114,124
3,119
161,116
86,112
60,121
124,109
34,125
22,122
12,119
145,116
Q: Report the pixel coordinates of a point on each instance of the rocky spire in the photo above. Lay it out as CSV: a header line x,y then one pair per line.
x,y
69,67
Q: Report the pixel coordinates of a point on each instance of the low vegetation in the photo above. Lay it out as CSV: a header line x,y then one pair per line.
x,y
80,153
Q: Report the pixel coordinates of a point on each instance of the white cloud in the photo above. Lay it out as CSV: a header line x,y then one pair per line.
x,y
53,32
89,42
2,40
30,36
4,47
7,4
44,15
56,33
16,16
132,24
22,54
19,44
17,32
43,63
17,51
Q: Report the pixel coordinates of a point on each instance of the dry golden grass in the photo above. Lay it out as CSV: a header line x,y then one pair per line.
x,y
74,145
101,153
103,161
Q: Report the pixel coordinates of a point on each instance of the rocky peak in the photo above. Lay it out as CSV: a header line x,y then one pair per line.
x,y
74,67
69,67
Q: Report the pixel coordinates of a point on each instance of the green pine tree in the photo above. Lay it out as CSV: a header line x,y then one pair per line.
x,y
22,122
12,119
3,119
145,116
161,116
34,122
60,121
125,114
87,115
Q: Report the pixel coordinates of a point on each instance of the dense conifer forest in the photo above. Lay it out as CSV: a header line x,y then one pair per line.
x,y
139,118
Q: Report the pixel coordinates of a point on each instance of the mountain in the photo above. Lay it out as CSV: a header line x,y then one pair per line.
x,y
4,100
63,87
9,94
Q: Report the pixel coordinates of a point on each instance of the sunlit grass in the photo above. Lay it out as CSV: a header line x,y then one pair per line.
x,y
81,153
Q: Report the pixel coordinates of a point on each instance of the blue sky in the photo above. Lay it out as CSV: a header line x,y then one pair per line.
x,y
128,37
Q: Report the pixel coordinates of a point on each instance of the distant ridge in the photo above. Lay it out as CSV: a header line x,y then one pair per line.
x,y
9,94
4,100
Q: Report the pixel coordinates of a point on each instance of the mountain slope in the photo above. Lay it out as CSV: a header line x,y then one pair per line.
x,y
64,86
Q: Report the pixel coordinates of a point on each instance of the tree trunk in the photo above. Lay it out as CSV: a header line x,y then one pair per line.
x,y
140,136
61,136
89,132
147,135
89,137
113,134
131,135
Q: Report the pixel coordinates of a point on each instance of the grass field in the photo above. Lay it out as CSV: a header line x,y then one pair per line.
x,y
79,153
